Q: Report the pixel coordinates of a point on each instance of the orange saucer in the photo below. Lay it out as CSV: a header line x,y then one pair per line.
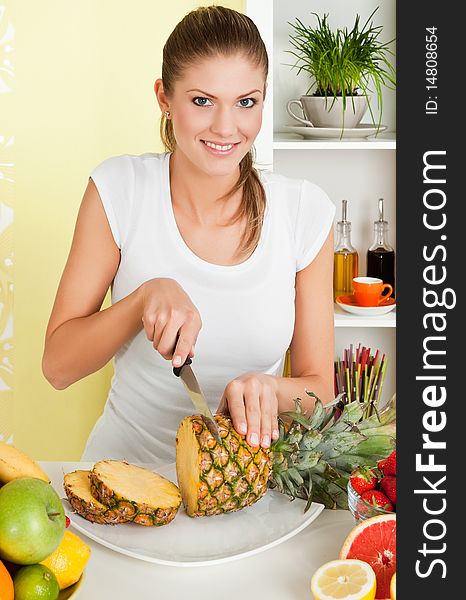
x,y
348,304
350,300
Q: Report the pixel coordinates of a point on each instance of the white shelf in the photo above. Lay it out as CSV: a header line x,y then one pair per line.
x,y
291,141
362,176
344,319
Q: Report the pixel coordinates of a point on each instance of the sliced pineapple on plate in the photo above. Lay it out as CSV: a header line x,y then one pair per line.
x,y
131,491
78,490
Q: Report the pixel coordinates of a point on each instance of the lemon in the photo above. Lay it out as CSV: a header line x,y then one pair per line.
x,y
393,587
346,579
67,562
35,582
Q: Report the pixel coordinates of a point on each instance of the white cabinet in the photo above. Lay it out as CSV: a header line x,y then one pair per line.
x,y
287,84
360,170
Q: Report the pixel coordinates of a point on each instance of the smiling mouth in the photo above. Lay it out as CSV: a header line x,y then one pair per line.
x,y
220,147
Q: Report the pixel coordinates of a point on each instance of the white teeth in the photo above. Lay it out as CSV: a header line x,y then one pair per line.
x,y
217,147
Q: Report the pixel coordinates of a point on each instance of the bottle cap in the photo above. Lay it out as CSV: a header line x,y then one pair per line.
x,y
381,219
344,225
344,211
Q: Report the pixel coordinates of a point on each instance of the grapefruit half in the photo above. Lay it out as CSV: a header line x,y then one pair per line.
x,y
374,542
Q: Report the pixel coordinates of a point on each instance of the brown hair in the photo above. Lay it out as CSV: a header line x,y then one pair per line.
x,y
206,32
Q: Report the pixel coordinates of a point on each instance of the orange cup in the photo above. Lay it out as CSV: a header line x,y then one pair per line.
x,y
368,291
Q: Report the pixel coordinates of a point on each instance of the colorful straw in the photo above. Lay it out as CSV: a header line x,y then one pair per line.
x,y
360,376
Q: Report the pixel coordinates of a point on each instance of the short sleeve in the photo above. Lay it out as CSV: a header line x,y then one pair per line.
x,y
314,220
114,179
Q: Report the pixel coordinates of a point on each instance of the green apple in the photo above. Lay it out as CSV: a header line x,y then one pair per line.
x,y
32,520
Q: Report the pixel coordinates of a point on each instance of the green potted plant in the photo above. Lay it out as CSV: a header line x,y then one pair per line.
x,y
346,67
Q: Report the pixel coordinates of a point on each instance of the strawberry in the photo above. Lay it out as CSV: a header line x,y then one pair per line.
x,y
363,479
381,464
67,522
388,486
377,499
390,465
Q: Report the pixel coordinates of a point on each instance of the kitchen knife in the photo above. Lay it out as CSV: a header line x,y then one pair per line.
x,y
186,374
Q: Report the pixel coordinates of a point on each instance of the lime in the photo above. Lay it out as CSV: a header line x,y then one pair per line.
x,y
36,582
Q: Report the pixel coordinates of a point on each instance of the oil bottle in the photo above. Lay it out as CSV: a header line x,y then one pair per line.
x,y
381,256
345,258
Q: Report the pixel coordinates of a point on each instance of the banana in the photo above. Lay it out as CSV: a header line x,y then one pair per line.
x,y
15,464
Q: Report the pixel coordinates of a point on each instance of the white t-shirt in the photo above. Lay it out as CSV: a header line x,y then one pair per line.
x,y
247,310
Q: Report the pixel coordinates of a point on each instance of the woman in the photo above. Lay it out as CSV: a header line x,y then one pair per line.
x,y
206,258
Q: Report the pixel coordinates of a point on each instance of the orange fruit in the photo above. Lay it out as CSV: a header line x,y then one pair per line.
x,y
6,583
374,541
68,561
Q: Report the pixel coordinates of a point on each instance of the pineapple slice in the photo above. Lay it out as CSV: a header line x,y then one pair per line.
x,y
128,489
216,479
78,490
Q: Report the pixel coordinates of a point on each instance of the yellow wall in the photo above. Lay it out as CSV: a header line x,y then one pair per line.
x,y
83,91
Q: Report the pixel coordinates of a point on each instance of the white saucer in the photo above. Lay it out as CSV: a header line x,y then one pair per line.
x,y
361,131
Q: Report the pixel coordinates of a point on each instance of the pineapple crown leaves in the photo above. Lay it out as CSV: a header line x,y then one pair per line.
x,y
314,455
333,494
320,417
349,462
336,443
375,445
388,413
352,414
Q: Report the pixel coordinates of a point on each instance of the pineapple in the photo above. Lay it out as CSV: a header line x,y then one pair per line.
x,y
215,479
314,456
312,459
134,493
78,490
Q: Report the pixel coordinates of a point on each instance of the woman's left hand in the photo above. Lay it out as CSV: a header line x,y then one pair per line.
x,y
251,400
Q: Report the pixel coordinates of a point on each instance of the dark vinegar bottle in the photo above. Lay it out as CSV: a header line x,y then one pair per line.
x,y
381,256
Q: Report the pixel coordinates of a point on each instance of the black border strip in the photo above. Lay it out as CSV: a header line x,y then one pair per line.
x,y
430,270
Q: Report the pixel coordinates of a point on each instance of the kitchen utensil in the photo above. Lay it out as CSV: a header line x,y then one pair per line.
x,y
186,374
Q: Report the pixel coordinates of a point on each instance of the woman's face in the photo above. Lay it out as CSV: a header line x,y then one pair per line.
x,y
219,101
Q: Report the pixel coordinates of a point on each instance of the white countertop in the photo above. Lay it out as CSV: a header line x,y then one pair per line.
x,y
280,573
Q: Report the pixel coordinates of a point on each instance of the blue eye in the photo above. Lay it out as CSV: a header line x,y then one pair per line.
x,y
203,100
247,100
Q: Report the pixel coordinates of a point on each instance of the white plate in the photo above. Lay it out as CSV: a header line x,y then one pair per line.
x,y
201,541
366,311
361,131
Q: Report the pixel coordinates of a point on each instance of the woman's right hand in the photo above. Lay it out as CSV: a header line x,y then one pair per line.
x,y
171,321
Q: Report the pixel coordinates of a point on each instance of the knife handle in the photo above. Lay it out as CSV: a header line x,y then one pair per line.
x,y
177,370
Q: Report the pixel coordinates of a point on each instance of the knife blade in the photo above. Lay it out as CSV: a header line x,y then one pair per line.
x,y
186,374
